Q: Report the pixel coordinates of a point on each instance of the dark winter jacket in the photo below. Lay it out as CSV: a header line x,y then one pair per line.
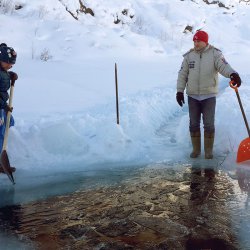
x,y
4,87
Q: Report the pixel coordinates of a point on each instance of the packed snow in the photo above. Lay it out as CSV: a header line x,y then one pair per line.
x,y
64,100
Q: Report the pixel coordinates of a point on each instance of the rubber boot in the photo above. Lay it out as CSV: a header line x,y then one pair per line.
x,y
208,145
196,142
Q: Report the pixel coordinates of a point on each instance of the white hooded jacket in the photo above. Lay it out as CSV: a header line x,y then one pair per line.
x,y
199,71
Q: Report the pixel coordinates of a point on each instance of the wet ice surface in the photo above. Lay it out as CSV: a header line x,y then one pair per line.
x,y
240,205
37,185
216,206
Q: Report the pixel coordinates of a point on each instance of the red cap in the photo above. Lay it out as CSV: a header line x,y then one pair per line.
x,y
201,36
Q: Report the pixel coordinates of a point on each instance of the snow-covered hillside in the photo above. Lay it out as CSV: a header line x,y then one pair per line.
x,y
64,100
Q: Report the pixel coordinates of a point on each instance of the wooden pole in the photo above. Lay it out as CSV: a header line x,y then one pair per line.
x,y
242,111
117,99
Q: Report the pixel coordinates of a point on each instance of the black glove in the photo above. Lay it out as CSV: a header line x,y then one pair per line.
x,y
13,76
236,79
8,109
180,98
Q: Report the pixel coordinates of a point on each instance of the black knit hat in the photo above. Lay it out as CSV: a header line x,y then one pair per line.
x,y
7,54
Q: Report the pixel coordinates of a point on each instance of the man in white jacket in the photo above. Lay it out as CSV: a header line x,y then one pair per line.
x,y
199,76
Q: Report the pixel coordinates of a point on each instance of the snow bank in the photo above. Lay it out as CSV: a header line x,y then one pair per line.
x,y
65,107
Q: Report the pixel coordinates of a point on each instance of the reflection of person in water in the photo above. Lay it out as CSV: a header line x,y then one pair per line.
x,y
205,208
10,217
201,184
6,196
243,176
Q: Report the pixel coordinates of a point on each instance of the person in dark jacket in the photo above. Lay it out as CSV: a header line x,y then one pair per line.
x,y
7,60
199,76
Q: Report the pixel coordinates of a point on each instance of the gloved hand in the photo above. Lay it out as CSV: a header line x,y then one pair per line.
x,y
180,98
13,75
8,109
236,79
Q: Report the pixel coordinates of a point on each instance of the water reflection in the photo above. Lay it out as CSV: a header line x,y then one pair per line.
x,y
10,217
202,183
242,212
243,176
206,213
11,222
182,206
39,185
7,196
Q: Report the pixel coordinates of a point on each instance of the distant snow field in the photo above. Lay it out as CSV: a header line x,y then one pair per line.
x,y
64,100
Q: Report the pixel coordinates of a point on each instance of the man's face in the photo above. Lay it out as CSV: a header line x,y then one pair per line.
x,y
6,66
198,45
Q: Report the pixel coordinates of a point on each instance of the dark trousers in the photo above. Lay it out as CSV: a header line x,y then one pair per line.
x,y
207,109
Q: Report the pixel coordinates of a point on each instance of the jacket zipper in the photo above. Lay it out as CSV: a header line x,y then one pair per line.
x,y
199,74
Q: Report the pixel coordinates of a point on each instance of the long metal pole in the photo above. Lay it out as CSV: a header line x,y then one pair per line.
x,y
117,98
242,111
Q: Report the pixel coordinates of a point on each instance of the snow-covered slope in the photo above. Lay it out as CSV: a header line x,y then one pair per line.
x,y
64,100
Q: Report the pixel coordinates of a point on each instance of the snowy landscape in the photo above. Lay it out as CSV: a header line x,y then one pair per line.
x,y
64,100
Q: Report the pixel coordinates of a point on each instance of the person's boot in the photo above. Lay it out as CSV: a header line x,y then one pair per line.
x,y
208,145
209,173
196,142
